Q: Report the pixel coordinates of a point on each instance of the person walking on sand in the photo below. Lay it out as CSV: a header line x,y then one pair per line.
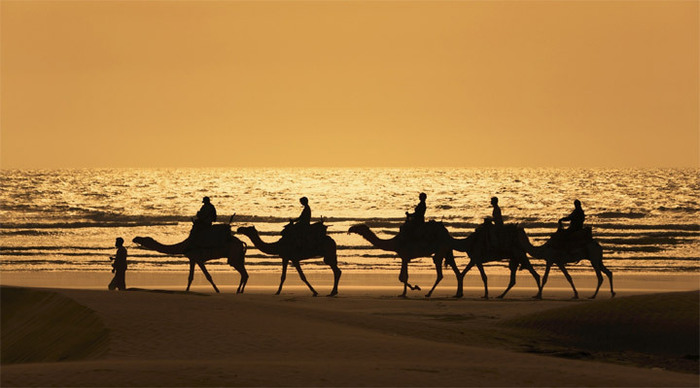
x,y
575,219
118,267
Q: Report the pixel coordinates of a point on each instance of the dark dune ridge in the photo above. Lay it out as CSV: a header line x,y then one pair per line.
x,y
40,326
655,329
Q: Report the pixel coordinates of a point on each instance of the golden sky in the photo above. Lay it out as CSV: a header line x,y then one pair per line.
x,y
349,84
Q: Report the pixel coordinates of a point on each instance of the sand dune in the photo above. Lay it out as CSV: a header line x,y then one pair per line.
x,y
654,330
41,326
367,339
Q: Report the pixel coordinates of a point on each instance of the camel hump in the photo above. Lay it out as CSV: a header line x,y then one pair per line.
x,y
213,236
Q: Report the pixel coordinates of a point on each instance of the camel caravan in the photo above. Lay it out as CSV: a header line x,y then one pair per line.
x,y
300,240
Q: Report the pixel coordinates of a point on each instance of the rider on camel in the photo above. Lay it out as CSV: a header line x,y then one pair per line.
x,y
575,219
418,215
206,214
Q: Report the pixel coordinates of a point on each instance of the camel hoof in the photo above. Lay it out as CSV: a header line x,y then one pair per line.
x,y
485,297
332,294
458,296
613,295
427,295
416,287
538,296
575,297
500,296
402,296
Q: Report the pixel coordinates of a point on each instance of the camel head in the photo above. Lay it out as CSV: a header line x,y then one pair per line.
x,y
146,242
247,230
360,229
143,240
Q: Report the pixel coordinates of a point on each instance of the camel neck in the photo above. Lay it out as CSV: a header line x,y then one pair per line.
x,y
262,246
383,244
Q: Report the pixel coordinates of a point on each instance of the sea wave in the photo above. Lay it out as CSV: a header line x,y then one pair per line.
x,y
632,215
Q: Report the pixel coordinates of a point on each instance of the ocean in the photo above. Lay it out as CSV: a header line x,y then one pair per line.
x,y
67,220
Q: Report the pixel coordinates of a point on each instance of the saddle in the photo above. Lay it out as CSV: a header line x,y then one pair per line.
x,y
424,234
568,240
210,236
494,238
303,235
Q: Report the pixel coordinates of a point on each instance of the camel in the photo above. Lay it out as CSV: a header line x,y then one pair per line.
x,y
289,250
480,250
229,247
561,256
437,244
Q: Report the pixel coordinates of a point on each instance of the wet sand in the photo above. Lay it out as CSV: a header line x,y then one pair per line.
x,y
157,335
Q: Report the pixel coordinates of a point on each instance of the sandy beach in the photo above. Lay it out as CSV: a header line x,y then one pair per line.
x,y
157,335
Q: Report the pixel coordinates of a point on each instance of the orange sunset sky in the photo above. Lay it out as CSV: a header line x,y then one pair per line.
x,y
349,84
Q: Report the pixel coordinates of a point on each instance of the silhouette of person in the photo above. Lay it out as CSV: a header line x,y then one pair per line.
x,y
206,214
575,219
304,218
496,216
495,222
118,267
418,215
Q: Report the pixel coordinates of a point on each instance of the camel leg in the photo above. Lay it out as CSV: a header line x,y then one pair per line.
x,y
544,278
285,262
460,279
240,267
600,280
535,275
569,279
437,260
596,252
608,273
303,278
469,266
403,278
191,275
484,279
331,258
513,265
206,275
336,279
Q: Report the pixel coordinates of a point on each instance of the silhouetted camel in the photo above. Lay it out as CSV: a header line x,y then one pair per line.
x,y
233,250
480,250
289,250
436,244
553,255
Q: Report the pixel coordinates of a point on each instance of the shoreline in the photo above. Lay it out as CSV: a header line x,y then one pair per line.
x,y
361,282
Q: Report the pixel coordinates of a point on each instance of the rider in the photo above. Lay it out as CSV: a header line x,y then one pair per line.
x,y
418,215
301,225
495,222
496,216
304,218
206,214
575,219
